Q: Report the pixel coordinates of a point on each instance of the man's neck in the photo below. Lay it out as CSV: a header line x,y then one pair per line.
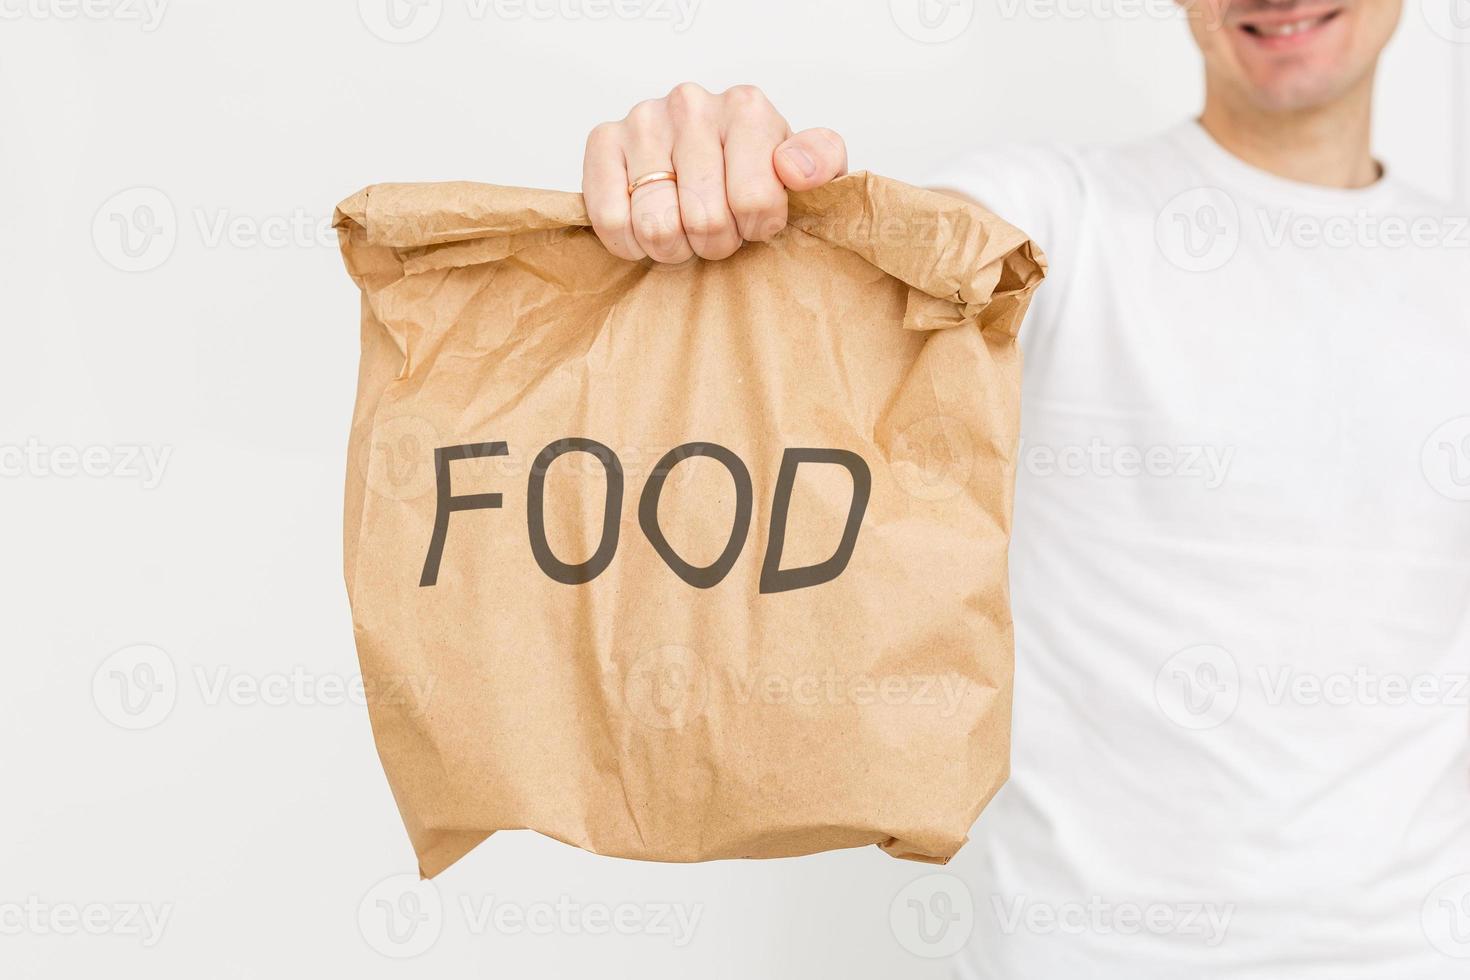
x,y
1327,145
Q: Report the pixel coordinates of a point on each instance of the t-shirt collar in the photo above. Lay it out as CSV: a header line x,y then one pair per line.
x,y
1201,147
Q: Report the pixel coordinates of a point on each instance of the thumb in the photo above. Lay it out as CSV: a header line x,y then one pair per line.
x,y
810,159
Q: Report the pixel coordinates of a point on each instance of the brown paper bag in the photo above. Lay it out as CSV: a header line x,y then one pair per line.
x,y
683,563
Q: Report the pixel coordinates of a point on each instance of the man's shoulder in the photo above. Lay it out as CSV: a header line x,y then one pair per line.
x,y
1038,187
1066,173
1010,164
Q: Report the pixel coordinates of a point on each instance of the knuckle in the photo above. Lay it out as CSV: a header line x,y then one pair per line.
x,y
746,98
658,230
756,201
707,226
609,235
608,220
616,246
763,228
687,97
749,106
715,248
604,134
761,224
660,243
645,116
674,250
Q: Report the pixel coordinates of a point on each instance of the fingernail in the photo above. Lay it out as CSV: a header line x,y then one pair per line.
x,y
801,160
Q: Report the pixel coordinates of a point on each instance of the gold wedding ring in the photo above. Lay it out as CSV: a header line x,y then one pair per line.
x,y
650,178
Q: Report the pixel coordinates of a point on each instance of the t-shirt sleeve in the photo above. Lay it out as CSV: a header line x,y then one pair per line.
x,y
1040,190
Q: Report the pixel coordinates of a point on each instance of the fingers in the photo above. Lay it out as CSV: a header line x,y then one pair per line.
x,y
605,192
810,159
735,158
699,160
753,129
648,147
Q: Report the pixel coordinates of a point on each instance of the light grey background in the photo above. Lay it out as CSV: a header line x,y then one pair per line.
x,y
205,148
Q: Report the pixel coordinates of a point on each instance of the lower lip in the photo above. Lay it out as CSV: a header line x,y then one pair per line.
x,y
1287,42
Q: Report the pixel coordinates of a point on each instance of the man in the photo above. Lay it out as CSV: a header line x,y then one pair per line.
x,y
1241,562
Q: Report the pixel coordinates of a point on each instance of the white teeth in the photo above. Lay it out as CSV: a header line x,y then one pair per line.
x,y
1285,30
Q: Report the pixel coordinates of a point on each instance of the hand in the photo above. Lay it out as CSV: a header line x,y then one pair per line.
x,y
735,158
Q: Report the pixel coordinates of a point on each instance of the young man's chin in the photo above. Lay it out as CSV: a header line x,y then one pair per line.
x,y
1294,92
1285,55
1293,57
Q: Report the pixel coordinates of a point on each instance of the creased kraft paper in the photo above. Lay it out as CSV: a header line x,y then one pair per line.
x,y
694,562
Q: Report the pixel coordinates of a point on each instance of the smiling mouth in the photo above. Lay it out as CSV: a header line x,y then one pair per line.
x,y
1280,29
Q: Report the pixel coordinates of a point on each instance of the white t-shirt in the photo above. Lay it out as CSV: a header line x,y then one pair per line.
x,y
1240,574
